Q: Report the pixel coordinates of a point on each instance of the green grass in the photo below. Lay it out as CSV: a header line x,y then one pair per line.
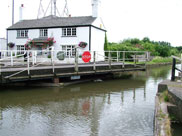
x,y
158,60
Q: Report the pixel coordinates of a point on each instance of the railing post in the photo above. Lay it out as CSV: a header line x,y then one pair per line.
x,y
135,59
33,56
109,59
0,73
94,62
76,61
28,63
146,59
173,70
181,64
52,61
11,58
118,56
123,59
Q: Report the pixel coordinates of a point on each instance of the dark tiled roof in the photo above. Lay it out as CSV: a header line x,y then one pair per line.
x,y
50,21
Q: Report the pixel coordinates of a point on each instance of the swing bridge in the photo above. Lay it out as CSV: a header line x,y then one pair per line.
x,y
17,66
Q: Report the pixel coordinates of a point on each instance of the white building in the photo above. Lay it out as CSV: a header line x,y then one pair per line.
x,y
67,32
3,44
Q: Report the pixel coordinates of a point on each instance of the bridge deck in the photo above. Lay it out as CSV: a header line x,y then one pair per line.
x,y
20,73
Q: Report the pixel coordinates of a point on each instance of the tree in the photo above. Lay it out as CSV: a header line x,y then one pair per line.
x,y
105,43
146,39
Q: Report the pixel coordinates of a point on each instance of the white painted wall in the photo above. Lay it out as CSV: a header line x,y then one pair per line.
x,y
97,38
3,44
82,35
99,23
97,42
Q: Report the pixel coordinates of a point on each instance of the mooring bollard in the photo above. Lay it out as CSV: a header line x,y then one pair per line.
x,y
173,70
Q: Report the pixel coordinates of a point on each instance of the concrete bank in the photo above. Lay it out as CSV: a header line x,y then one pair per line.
x,y
168,107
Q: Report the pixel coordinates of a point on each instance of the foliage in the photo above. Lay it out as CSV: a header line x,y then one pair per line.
x,y
49,56
105,43
156,48
11,45
159,59
47,43
82,44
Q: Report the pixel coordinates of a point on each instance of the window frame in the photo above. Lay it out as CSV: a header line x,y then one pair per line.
x,y
43,33
20,49
22,34
69,32
68,48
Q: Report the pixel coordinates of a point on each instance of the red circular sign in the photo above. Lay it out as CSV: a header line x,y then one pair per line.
x,y
86,56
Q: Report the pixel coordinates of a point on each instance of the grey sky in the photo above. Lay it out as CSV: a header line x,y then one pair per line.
x,y
156,19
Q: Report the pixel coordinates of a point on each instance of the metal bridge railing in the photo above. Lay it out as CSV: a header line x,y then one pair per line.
x,y
36,58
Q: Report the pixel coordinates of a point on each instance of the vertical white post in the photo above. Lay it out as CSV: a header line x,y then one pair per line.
x,y
28,62
52,59
76,61
117,56
11,58
69,55
5,54
181,65
94,62
33,56
109,59
147,55
135,59
146,59
123,59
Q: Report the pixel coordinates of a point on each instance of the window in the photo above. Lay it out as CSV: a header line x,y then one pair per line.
x,y
69,50
69,32
43,32
20,49
22,33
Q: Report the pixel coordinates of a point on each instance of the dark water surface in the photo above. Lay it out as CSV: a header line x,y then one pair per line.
x,y
120,107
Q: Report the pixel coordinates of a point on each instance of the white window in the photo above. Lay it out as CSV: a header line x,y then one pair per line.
x,y
20,49
69,32
69,50
43,32
22,33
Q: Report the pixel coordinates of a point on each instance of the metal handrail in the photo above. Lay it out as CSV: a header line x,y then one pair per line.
x,y
109,58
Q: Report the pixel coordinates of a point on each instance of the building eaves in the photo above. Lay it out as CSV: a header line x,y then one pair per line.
x,y
53,22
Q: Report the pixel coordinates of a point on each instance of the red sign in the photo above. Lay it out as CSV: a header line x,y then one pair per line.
x,y
86,56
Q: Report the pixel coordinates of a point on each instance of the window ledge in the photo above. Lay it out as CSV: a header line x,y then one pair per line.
x,y
21,37
43,36
68,36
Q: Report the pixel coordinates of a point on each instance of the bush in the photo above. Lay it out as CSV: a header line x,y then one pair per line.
x,y
49,56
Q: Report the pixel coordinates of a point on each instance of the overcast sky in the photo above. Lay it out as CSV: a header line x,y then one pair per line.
x,y
160,20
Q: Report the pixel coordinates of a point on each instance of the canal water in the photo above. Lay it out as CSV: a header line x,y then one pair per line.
x,y
115,107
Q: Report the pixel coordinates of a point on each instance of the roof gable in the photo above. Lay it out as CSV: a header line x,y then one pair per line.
x,y
52,22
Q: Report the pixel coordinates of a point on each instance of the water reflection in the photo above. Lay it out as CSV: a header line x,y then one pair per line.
x,y
115,107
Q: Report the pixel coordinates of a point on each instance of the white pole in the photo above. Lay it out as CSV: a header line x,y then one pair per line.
x,y
94,61
52,59
55,7
11,58
117,56
33,57
28,65
181,64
